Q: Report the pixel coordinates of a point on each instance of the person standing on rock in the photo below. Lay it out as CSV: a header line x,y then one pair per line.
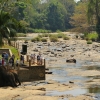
x,y
38,59
6,56
21,59
3,61
34,58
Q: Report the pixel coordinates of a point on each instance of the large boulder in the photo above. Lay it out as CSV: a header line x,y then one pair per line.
x,y
71,60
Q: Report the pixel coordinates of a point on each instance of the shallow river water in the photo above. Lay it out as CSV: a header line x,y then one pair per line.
x,y
60,75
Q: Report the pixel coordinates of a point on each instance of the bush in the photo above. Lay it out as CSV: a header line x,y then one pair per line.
x,y
40,36
21,35
91,36
45,34
35,39
30,30
41,31
26,41
61,35
89,42
44,40
53,39
58,31
65,38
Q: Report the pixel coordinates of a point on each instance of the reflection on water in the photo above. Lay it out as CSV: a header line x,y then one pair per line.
x,y
94,89
60,75
92,68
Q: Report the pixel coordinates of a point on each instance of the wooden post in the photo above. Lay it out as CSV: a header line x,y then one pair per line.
x,y
27,58
18,46
14,44
44,62
30,63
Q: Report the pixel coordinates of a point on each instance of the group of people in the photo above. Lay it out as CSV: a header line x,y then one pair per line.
x,y
35,57
7,60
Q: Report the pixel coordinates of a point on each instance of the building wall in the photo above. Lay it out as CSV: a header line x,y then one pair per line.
x,y
32,74
6,50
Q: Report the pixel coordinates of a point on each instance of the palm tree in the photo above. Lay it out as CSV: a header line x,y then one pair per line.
x,y
7,27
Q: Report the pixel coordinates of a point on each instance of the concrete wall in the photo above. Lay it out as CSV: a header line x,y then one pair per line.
x,y
32,74
5,50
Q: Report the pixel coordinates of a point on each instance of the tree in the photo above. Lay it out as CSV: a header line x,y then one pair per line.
x,y
79,19
7,27
94,14
8,24
55,16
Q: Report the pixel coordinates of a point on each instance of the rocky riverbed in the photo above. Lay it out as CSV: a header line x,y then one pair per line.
x,y
68,81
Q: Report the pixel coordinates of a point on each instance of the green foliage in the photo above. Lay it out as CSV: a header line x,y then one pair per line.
x,y
66,38
40,16
58,31
53,38
45,34
21,35
79,20
55,18
13,50
44,40
8,26
60,35
41,31
89,42
33,40
93,14
40,35
26,41
36,39
91,36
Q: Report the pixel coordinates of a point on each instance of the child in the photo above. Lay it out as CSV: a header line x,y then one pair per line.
x,y
17,62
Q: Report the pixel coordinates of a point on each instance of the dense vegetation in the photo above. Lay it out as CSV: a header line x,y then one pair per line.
x,y
22,16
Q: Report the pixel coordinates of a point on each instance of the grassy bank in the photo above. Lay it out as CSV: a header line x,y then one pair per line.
x,y
13,50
